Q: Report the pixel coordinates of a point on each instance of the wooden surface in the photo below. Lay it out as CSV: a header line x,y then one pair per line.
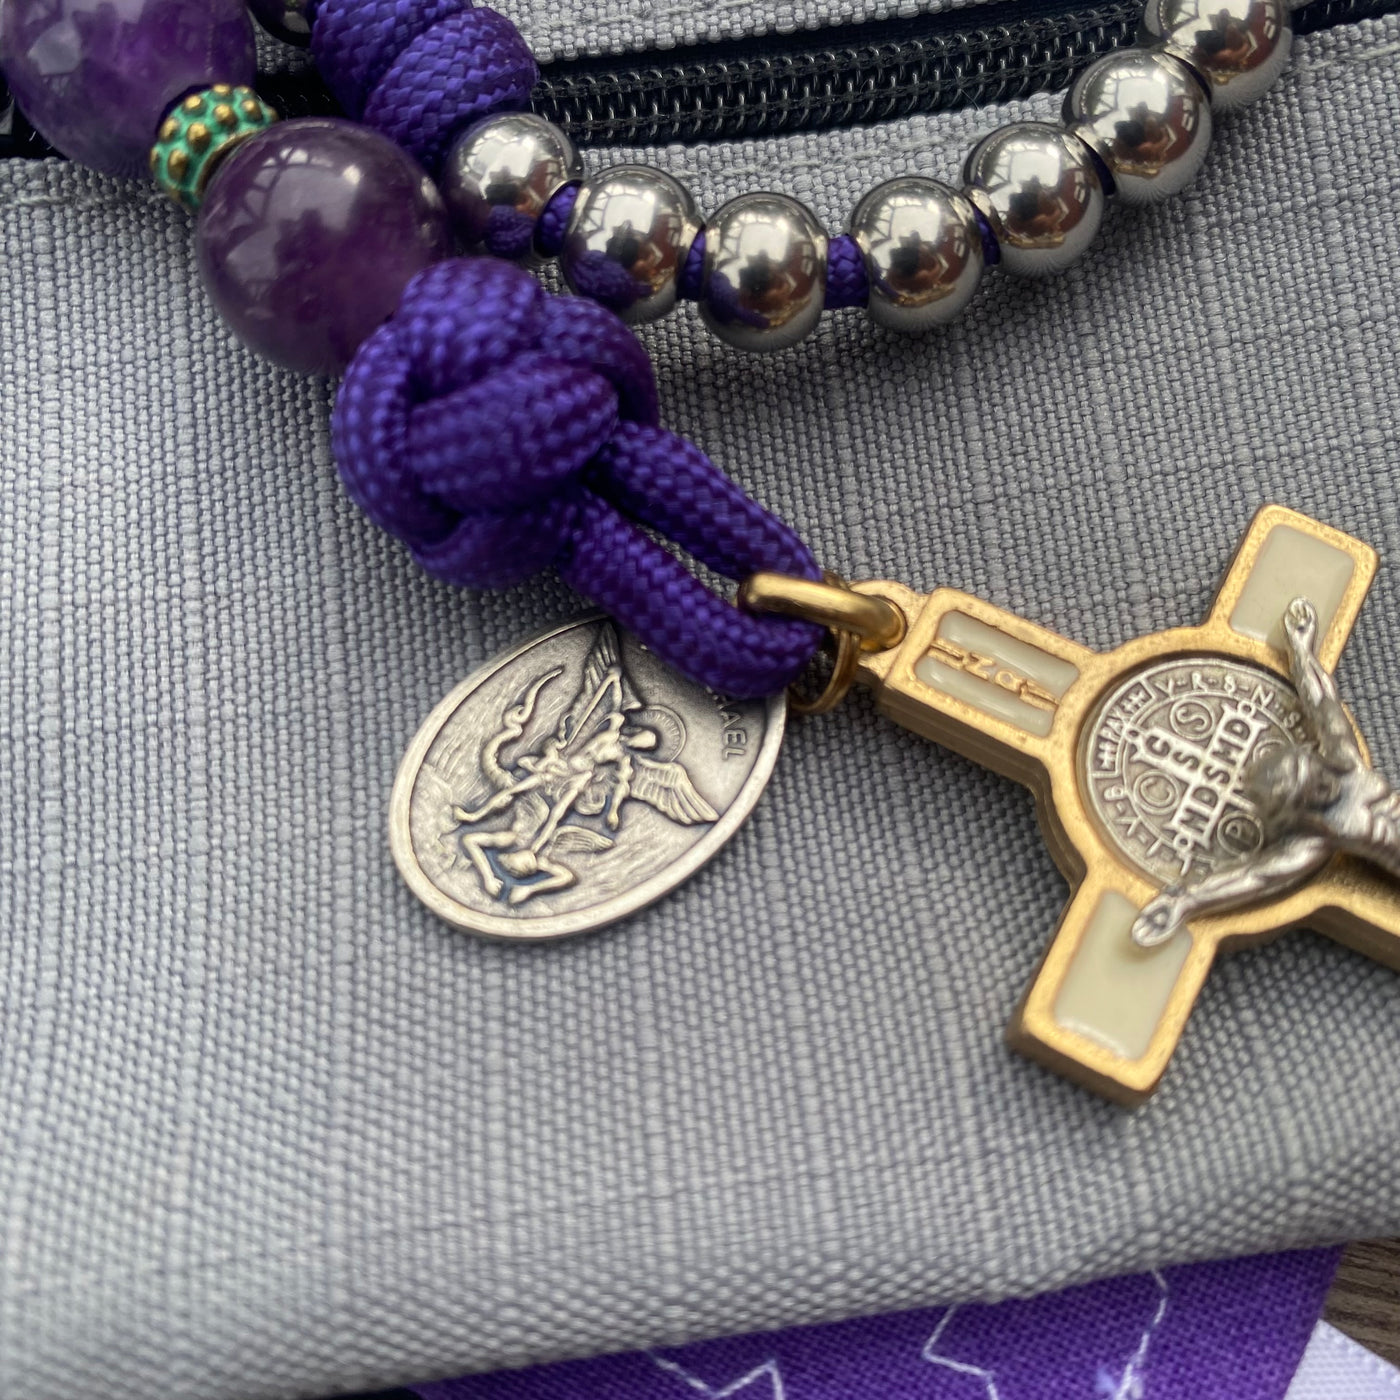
x,y
1365,1299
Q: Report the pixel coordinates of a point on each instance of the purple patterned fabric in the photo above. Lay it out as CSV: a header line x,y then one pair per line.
x,y
1227,1331
497,430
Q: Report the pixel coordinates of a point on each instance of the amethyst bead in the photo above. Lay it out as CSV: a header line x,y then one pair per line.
x,y
309,233
96,76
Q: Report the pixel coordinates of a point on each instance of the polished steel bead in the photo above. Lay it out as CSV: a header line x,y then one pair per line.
x,y
1147,116
500,174
627,240
765,272
1239,46
922,249
1040,191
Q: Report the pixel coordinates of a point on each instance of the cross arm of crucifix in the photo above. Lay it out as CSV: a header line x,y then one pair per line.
x,y
1137,759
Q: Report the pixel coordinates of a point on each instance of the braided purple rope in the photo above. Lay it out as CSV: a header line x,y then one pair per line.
x,y
692,279
846,281
554,221
497,429
991,249
419,71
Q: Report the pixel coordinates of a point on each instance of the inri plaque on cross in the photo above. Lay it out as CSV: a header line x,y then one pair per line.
x,y
1137,759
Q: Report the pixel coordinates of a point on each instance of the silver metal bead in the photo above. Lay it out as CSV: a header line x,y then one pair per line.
x,y
1239,46
765,272
627,240
922,249
509,166
1147,116
1040,190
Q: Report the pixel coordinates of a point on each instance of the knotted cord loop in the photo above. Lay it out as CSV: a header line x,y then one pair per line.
x,y
420,71
497,429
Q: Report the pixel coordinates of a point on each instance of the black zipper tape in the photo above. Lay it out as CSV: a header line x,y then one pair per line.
x,y
810,81
855,74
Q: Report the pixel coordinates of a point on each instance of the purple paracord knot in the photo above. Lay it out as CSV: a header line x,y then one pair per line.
x,y
497,429
420,71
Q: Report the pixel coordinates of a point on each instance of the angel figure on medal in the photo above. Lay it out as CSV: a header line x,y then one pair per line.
x,y
1313,800
597,759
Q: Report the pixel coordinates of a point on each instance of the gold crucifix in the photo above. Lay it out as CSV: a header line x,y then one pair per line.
x,y
1137,759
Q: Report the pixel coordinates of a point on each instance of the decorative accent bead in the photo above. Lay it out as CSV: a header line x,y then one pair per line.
x,y
1238,46
1039,188
923,252
96,79
627,241
765,272
288,20
309,233
188,151
500,174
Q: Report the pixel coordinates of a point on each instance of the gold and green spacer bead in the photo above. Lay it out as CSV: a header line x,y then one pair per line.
x,y
198,132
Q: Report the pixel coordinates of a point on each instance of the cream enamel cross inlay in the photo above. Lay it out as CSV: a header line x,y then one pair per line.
x,y
1136,758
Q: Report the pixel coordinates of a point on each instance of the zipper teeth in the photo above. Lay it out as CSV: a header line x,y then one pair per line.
x,y
772,85
708,99
880,71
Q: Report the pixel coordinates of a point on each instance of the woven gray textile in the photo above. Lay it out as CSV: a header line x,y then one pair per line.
x,y
267,1129
576,27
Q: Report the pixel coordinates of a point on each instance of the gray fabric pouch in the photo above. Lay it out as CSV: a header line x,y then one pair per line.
x,y
268,1129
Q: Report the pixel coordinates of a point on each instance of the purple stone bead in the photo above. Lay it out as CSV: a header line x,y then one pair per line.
x,y
96,76
309,233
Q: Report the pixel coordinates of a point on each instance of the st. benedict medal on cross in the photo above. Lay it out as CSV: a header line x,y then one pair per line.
x,y
1140,760
1200,788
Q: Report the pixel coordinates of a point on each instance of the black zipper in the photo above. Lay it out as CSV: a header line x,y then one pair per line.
x,y
804,82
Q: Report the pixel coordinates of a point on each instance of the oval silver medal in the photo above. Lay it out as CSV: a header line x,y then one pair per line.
x,y
572,782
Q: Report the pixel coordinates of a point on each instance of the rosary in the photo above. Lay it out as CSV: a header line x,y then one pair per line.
x,y
1200,788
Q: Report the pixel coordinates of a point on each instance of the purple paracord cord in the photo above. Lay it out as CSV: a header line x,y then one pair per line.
x,y
554,221
846,281
420,71
498,429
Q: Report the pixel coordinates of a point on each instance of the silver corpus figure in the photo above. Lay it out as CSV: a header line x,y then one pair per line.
x,y
1313,802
